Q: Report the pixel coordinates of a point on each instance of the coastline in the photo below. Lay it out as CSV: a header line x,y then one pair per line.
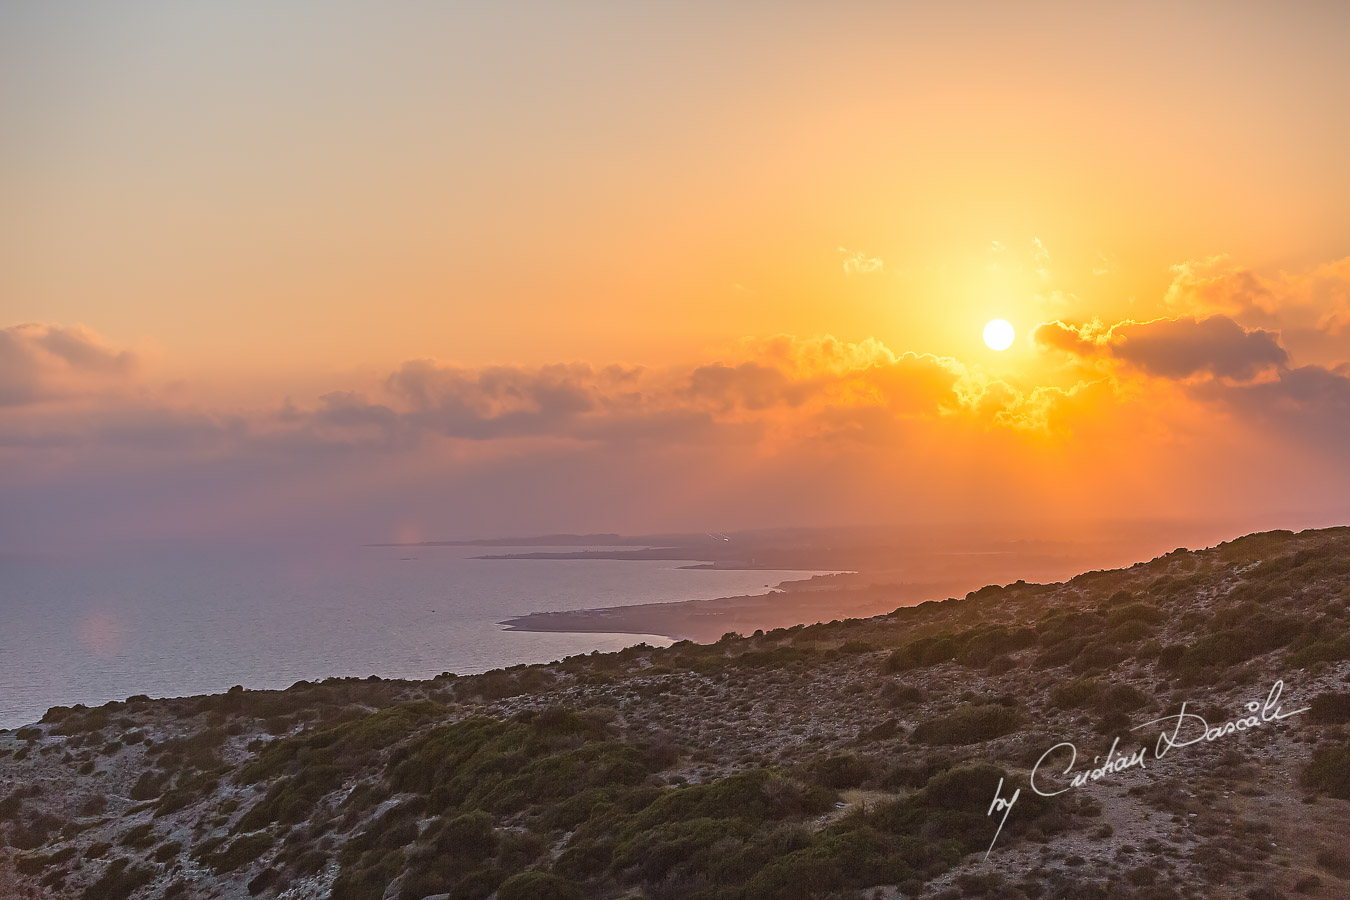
x,y
704,621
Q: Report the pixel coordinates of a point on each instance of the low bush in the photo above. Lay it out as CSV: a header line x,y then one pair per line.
x,y
1135,612
1097,695
1329,772
538,886
969,724
241,852
119,881
149,786
898,695
1241,634
1331,708
139,837
32,865
843,770
926,651
1330,650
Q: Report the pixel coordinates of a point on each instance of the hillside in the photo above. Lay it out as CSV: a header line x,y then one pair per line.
x,y
854,758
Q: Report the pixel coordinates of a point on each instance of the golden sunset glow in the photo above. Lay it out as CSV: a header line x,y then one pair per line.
x,y
319,275
674,450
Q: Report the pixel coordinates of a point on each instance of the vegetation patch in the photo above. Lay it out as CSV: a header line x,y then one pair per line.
x,y
969,724
1329,772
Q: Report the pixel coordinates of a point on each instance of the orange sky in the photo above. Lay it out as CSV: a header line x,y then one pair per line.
x,y
518,267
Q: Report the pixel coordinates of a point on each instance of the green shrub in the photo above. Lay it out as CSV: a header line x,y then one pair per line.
x,y
369,882
538,886
1136,612
1127,632
1252,634
481,763
677,850
897,694
969,724
926,651
264,880
451,851
241,852
843,770
1097,695
759,795
1329,772
34,830
980,646
119,881
32,865
149,786
79,720
1097,656
316,764
1060,653
1331,708
138,837
186,792
1332,650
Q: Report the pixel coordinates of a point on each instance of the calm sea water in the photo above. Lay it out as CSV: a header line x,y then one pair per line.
x,y
173,622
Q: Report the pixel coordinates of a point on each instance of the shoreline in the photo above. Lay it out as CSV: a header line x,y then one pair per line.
x,y
706,621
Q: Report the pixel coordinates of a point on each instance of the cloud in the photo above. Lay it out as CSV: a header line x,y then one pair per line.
x,y
749,385
1185,347
1219,366
859,263
511,401
40,362
775,423
1180,348
1077,340
771,391
1318,298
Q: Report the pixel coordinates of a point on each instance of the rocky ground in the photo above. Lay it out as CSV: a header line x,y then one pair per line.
x,y
850,759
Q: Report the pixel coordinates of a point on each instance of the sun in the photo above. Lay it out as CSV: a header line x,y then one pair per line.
x,y
998,334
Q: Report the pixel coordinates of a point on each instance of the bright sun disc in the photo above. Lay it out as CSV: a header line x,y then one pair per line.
x,y
998,334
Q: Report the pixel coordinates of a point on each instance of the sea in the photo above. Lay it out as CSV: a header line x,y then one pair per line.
x,y
165,621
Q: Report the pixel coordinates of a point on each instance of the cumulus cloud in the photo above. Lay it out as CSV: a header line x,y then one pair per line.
x,y
1180,348
39,361
1318,298
1220,365
1077,340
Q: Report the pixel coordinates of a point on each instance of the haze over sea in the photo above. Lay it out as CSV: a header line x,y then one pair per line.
x,y
90,627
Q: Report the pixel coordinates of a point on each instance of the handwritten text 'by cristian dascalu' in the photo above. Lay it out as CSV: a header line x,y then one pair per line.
x,y
1190,729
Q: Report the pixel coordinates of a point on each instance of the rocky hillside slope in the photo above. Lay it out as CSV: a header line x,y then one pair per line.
x,y
851,759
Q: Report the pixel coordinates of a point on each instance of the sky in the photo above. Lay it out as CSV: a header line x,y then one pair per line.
x,y
419,271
